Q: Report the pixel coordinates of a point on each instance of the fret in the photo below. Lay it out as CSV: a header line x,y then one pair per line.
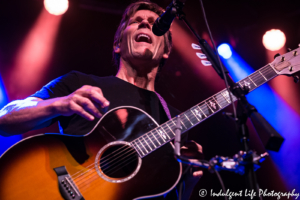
x,y
211,103
192,117
140,149
195,115
252,81
162,135
258,79
182,124
155,138
170,128
222,101
188,119
198,112
262,75
225,94
136,148
151,141
217,102
205,109
209,108
247,83
142,145
165,131
202,111
147,143
268,72
182,127
173,122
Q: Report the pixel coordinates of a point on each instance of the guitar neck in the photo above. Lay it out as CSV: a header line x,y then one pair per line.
x,y
166,132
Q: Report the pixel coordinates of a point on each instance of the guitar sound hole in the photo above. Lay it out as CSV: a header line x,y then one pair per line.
x,y
118,161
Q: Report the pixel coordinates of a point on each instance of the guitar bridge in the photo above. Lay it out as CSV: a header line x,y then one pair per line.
x,y
67,188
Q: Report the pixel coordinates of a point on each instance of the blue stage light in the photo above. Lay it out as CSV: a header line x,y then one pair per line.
x,y
225,51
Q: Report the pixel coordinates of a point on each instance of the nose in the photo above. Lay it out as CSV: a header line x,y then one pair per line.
x,y
145,24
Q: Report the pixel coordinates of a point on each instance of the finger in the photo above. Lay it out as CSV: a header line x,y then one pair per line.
x,y
100,99
193,145
198,174
81,112
191,153
96,95
88,106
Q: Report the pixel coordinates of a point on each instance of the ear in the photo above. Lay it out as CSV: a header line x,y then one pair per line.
x,y
117,48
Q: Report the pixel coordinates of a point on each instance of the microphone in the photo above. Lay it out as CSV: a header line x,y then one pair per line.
x,y
163,22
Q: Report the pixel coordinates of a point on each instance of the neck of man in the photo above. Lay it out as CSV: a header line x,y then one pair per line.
x,y
140,76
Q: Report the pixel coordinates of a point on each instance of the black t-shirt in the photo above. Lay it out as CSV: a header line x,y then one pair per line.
x,y
115,90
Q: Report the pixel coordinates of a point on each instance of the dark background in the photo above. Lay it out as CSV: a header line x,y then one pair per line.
x,y
84,43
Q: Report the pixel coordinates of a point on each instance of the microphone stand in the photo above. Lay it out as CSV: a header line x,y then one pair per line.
x,y
245,108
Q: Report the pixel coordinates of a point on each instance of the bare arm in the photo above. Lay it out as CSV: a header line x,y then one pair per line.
x,y
32,113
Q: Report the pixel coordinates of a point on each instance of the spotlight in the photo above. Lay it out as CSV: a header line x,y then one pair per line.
x,y
56,7
225,51
274,40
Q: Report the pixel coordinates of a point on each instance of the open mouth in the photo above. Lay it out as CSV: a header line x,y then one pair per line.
x,y
143,38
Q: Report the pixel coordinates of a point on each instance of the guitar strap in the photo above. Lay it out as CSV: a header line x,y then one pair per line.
x,y
180,186
164,104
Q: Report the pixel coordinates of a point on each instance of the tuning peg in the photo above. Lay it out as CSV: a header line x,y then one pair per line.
x,y
296,78
276,55
289,49
295,53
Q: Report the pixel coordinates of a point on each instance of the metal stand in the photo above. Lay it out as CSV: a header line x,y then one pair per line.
x,y
246,159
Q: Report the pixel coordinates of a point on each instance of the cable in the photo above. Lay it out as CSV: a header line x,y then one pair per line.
x,y
221,181
225,77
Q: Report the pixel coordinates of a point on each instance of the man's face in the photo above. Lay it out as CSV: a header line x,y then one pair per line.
x,y
139,45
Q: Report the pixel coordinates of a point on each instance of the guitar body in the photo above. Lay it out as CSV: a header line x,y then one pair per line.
x,y
27,169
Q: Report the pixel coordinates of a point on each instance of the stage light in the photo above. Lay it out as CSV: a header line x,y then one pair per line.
x,y
225,51
56,7
274,40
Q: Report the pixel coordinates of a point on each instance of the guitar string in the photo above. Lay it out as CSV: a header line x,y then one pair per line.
x,y
100,160
189,113
128,147
108,165
83,175
91,166
103,160
109,170
126,161
117,164
92,178
143,143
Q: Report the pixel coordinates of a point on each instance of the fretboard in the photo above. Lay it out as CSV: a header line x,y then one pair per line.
x,y
164,133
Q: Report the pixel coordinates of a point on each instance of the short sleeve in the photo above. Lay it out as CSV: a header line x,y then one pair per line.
x,y
61,86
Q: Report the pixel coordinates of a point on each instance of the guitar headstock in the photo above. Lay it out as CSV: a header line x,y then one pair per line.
x,y
287,64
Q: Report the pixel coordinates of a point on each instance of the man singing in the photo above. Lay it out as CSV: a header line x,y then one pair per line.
x,y
78,100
